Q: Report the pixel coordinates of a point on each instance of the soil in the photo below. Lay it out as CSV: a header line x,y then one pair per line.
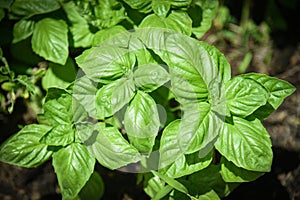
x,y
282,183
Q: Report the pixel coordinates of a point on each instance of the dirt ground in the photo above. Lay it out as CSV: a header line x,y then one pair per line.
x,y
282,183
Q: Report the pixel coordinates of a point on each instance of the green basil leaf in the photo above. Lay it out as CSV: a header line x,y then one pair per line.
x,y
247,144
24,149
23,29
244,96
169,144
50,40
93,189
60,135
187,164
61,109
106,63
172,182
141,122
278,89
59,76
84,91
73,166
202,22
150,76
207,128
82,36
176,20
33,7
112,97
232,173
163,192
105,34
2,14
110,148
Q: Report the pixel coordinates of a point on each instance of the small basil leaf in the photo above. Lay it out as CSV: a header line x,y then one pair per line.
x,y
244,96
93,189
141,122
73,166
278,89
24,149
106,63
161,8
23,29
150,76
112,97
247,144
50,40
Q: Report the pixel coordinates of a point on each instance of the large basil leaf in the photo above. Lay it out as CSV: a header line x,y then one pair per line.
x,y
109,147
60,135
202,22
73,166
82,36
232,173
106,63
50,40
141,122
247,144
150,76
23,29
33,7
277,89
59,76
112,97
60,108
24,148
244,96
176,20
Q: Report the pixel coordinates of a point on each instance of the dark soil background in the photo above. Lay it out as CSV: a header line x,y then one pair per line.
x,y
282,183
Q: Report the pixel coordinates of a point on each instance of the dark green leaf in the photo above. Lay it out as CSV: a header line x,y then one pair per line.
x,y
93,189
176,20
232,173
50,40
244,96
59,76
247,144
33,7
110,148
150,76
24,80
73,166
141,122
23,29
142,6
202,22
24,148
